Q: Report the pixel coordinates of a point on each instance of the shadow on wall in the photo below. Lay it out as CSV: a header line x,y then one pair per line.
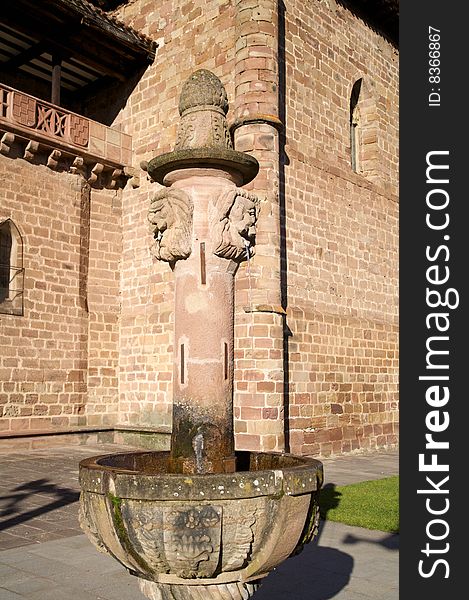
x,y
16,508
108,101
283,161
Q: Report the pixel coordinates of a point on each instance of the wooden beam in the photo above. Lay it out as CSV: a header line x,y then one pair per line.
x,y
56,77
24,57
98,51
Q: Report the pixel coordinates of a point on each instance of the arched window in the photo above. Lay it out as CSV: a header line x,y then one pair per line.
x,y
365,156
11,269
355,132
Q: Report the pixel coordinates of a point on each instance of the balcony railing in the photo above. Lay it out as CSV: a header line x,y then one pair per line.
x,y
62,134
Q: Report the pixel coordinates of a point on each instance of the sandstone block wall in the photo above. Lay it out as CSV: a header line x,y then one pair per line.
x,y
316,323
341,232
58,360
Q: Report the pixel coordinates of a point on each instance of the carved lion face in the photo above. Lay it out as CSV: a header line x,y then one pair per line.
x,y
243,217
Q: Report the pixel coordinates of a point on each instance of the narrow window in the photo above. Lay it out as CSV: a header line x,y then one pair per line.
x,y
5,260
355,126
11,269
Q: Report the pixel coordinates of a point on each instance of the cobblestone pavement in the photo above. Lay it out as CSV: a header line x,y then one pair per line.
x,y
39,493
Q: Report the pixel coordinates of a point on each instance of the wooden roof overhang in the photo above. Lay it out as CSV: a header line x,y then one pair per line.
x,y
91,47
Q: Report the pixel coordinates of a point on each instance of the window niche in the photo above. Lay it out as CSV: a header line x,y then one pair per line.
x,y
11,269
364,153
355,142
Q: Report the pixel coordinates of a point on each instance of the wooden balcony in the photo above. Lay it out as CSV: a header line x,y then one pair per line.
x,y
44,133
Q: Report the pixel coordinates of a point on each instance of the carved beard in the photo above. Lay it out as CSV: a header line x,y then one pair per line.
x,y
232,243
174,244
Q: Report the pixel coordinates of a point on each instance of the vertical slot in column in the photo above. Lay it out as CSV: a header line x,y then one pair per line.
x,y
203,274
226,361
182,372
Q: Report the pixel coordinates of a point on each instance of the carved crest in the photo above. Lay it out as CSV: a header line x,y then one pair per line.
x,y
170,215
233,227
192,540
238,537
145,531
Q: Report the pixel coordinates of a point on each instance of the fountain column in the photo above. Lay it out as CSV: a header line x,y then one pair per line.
x,y
187,535
203,226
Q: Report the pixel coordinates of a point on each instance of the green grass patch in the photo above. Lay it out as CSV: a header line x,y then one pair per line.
x,y
370,504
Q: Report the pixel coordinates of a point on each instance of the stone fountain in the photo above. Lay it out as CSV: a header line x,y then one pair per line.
x,y
202,521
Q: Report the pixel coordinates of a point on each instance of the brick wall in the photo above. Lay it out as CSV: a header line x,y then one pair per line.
x,y
316,310
336,274
341,233
103,304
56,370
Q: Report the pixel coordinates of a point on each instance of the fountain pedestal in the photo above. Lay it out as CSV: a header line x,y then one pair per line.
x,y
204,224
201,522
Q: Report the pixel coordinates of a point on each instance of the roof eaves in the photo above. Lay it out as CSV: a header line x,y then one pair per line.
x,y
94,17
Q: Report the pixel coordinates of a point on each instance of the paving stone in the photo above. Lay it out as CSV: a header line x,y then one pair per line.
x,y
27,586
343,470
39,493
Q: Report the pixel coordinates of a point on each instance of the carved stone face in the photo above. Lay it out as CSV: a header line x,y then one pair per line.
x,y
234,228
161,216
243,217
171,217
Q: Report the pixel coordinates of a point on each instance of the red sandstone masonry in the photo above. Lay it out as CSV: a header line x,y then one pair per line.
x,y
341,226
61,365
256,98
342,242
45,379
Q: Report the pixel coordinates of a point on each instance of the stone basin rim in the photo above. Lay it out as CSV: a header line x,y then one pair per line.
x,y
304,477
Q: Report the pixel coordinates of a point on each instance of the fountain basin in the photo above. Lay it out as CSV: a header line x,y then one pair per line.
x,y
174,530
